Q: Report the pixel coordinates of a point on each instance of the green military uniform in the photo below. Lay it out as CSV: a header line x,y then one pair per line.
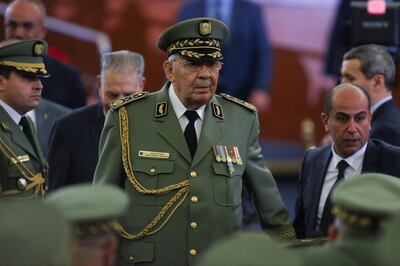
x,y
388,246
180,206
250,249
22,164
33,234
363,203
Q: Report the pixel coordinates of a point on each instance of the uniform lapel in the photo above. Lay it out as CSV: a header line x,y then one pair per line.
x,y
211,132
15,133
169,127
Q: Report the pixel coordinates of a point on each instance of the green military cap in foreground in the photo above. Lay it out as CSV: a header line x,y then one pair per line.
x,y
25,57
250,249
92,209
33,234
195,39
365,201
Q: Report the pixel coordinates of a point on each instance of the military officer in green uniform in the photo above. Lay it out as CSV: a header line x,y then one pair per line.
x,y
33,234
362,207
22,164
92,211
183,155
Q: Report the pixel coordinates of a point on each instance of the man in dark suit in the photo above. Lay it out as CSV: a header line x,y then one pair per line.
x,y
23,20
247,35
75,138
347,119
44,117
372,68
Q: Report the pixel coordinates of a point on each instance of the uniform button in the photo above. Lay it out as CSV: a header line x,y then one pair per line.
x,y
152,170
193,225
22,183
131,258
193,252
193,174
194,199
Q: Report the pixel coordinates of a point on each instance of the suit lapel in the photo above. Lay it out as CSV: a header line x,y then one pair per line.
x,y
16,134
169,127
211,132
319,174
96,119
371,158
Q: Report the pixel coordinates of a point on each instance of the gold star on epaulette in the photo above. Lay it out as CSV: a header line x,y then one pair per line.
x,y
114,105
239,101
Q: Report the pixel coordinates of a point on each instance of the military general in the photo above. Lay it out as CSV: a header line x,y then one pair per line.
x,y
183,155
22,164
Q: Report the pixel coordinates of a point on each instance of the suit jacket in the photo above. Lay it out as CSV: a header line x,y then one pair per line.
x,y
18,158
64,85
46,115
385,123
247,51
379,157
73,152
159,157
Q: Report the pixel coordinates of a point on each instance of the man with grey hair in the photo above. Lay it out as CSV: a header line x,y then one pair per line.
x,y
372,67
76,136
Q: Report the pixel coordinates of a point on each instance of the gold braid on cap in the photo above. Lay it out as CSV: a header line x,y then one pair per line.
x,y
27,67
159,221
82,230
185,47
357,220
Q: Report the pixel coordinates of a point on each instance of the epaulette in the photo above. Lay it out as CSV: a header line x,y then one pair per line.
x,y
114,105
239,101
307,242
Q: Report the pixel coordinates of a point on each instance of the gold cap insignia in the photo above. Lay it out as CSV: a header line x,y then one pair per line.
x,y
217,111
161,109
38,49
205,28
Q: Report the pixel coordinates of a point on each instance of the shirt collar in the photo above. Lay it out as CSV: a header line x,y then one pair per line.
x,y
353,160
178,106
378,104
15,116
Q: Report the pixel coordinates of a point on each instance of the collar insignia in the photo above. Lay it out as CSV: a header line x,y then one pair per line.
x,y
161,109
217,111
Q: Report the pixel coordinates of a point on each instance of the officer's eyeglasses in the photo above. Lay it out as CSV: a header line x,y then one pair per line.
x,y
196,66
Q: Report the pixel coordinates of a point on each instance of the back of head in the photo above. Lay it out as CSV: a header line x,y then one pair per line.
x,y
250,249
367,201
33,234
374,59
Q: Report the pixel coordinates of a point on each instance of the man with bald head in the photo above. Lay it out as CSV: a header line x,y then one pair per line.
x,y
25,20
347,119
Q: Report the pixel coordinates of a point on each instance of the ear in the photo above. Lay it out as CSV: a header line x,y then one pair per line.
x,y
169,71
332,232
324,120
2,83
378,82
142,83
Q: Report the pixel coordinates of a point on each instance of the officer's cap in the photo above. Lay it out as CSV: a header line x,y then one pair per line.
x,y
92,209
365,201
388,245
33,234
248,249
25,57
195,39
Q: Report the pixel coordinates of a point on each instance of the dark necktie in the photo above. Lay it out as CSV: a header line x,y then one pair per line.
x,y
327,217
26,128
190,131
